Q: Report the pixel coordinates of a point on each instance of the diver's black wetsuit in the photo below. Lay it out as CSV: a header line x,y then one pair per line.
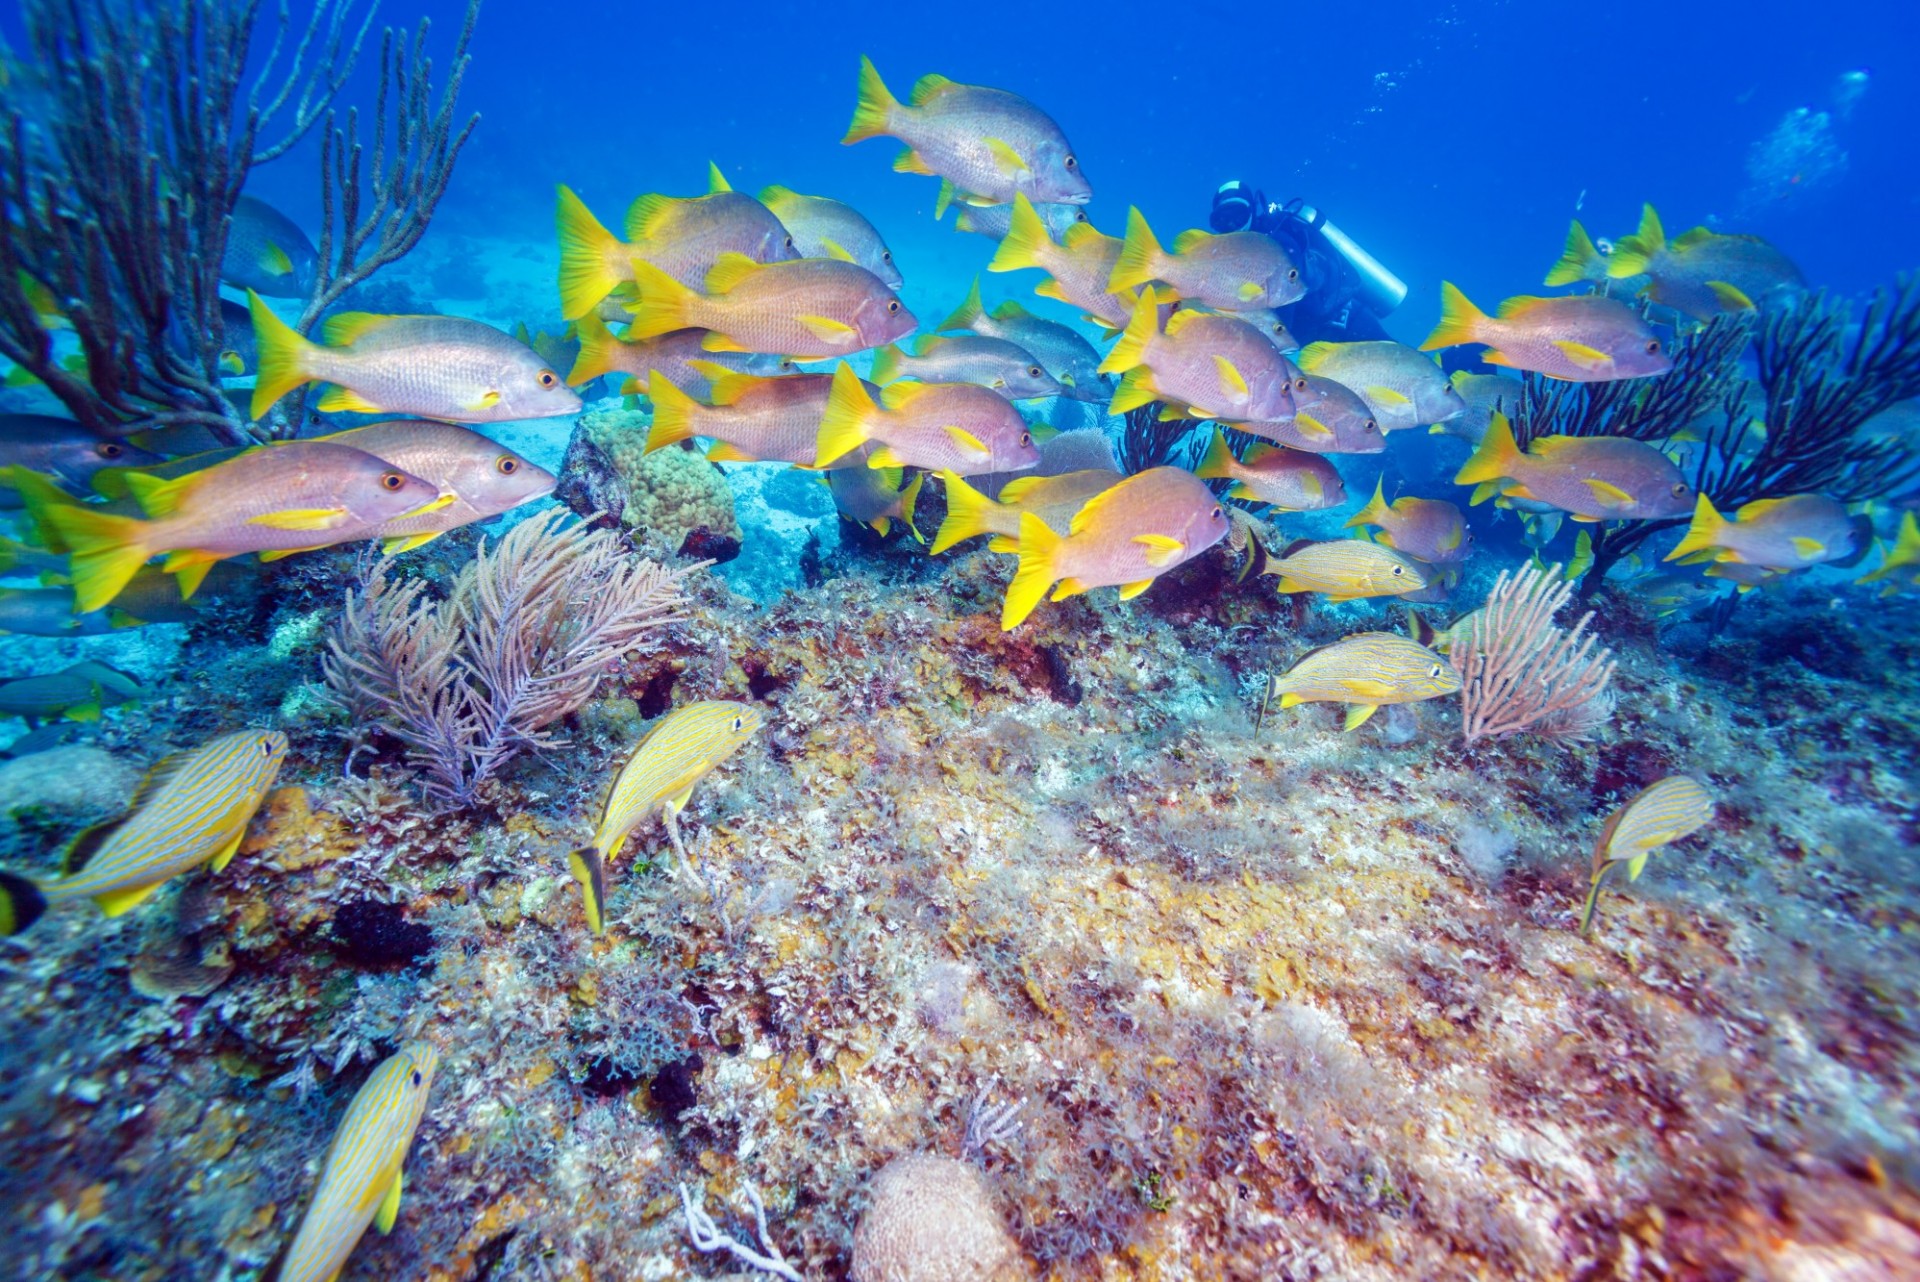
x,y
1331,309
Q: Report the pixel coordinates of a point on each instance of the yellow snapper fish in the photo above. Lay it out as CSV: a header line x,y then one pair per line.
x,y
1430,529
1367,670
478,477
1788,533
1054,499
957,426
1125,537
676,754
683,236
812,309
1346,570
1212,365
1070,358
1592,478
1290,480
444,367
77,693
1007,368
1481,394
826,228
273,499
1580,262
750,419
1236,270
987,145
190,810
1902,560
1657,816
874,497
1079,265
361,1179
1403,388
1704,274
1583,338
1328,418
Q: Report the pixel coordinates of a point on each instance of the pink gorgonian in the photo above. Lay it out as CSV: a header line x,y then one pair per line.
x,y
1521,671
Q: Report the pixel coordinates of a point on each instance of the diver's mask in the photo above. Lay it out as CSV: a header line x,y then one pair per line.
x,y
1234,206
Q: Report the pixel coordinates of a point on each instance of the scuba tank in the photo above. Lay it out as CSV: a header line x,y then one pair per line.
x,y
1375,288
1327,251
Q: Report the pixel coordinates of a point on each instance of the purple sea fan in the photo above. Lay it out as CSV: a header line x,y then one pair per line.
x,y
527,632
1520,671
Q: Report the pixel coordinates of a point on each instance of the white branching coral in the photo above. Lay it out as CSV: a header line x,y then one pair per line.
x,y
1521,671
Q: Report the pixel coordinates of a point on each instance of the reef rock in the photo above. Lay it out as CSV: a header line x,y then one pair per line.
x,y
932,1219
669,493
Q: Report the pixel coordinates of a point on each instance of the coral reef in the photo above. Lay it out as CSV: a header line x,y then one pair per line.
x,y
669,493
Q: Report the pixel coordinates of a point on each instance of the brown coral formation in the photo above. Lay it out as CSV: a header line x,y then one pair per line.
x,y
669,493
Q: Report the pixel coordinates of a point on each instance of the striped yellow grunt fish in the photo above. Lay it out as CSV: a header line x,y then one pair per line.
x,y
360,1182
189,810
1659,815
676,754
1367,669
1346,570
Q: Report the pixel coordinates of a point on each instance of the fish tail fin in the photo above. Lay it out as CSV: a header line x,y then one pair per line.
x,y
588,252
1494,460
1140,254
967,313
1376,507
1703,532
105,550
590,870
663,304
1141,327
886,364
21,903
1036,574
843,427
1460,320
599,349
1026,240
1419,629
967,510
1579,260
873,109
1217,461
909,498
673,413
1632,254
285,356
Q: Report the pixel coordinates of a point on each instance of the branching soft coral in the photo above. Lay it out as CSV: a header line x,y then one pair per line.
x,y
524,637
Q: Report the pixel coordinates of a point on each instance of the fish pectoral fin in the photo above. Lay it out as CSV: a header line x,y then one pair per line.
x,y
716,342
231,363
1362,688
1248,291
827,329
1232,381
395,544
1008,161
1387,396
1730,297
1608,494
1358,714
1068,587
968,441
1312,428
1291,700
225,854
277,554
1637,864
678,801
390,1204
483,402
835,250
1128,591
1582,355
722,452
300,518
344,400
115,902
884,457
273,259
1161,550
1809,548
88,711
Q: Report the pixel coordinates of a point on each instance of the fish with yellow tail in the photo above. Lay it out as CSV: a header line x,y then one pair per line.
x,y
1593,478
825,228
1328,418
1789,533
875,497
1125,537
1213,366
676,754
1236,270
750,419
1702,273
477,476
190,810
959,427
1430,529
1069,358
1079,264
1007,368
444,367
273,499
678,355
1401,387
1902,560
1658,816
1342,569
1581,260
361,1180
985,145
1290,480
1054,499
1583,338
1368,671
813,309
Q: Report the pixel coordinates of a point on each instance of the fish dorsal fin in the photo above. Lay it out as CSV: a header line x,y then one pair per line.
x,y
158,776
90,842
897,396
1190,240
1757,509
732,385
776,197
1010,310
1519,305
1179,321
645,215
1688,239
349,327
1314,355
927,88
1298,545
1092,508
716,181
1013,490
728,271
158,497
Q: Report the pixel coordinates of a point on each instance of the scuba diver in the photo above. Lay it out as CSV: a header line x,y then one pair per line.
x,y
1348,290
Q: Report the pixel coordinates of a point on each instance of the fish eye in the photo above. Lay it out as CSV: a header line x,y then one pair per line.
x,y
738,724
266,747
507,464
416,1077
1072,163
886,255
1300,384
894,306
111,449
1026,438
1653,345
548,378
789,242
1680,489
1293,273
1399,570
1079,215
391,480
1434,671
1371,426
1217,514
1034,371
